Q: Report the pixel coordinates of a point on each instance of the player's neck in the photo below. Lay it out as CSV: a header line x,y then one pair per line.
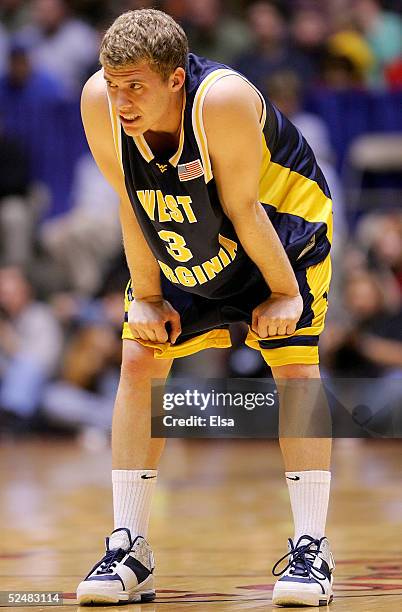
x,y
167,132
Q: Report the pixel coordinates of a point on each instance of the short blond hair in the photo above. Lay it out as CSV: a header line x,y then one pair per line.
x,y
145,34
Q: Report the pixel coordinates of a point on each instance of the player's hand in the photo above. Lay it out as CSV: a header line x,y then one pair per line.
x,y
148,317
277,316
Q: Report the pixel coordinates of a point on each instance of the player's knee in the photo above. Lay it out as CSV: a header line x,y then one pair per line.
x,y
138,361
296,370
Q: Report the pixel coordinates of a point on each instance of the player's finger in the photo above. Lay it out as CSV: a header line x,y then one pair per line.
x,y
262,327
175,326
282,329
133,330
290,329
273,329
151,335
254,322
161,334
138,333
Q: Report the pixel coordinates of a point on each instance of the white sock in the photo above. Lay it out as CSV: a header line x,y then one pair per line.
x,y
309,496
132,497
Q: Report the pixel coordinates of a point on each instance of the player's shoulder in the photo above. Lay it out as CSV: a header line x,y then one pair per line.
x,y
231,97
97,123
232,107
94,94
95,110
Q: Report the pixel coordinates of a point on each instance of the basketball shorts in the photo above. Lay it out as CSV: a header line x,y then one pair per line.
x,y
205,322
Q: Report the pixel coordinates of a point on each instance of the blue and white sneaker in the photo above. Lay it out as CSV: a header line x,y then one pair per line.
x,y
124,574
307,578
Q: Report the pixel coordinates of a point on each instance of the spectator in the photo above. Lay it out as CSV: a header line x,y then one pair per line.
x,y
84,396
25,92
15,216
83,240
340,15
370,342
29,101
380,235
30,346
94,12
176,8
14,14
270,51
61,44
393,75
339,73
350,56
132,5
212,33
3,48
310,30
383,33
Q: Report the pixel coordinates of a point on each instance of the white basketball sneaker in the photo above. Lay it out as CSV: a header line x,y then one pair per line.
x,y
307,578
124,574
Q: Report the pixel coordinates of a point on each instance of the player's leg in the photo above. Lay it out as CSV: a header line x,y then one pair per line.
x,y
132,445
305,440
306,459
304,452
308,578
125,572
135,455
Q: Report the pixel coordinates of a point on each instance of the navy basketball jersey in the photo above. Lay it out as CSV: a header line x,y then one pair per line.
x,y
177,206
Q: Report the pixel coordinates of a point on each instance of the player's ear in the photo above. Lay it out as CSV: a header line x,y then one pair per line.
x,y
177,79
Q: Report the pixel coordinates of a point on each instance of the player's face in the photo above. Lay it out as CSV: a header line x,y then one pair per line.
x,y
141,98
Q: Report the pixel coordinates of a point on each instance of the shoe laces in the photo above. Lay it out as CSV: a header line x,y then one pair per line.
x,y
301,559
110,561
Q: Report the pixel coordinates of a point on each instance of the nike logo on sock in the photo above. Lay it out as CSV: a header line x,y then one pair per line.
x,y
291,477
146,477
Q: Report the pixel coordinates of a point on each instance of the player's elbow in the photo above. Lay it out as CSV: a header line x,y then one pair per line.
x,y
242,210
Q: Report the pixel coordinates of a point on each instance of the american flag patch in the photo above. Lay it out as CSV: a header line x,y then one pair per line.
x,y
190,171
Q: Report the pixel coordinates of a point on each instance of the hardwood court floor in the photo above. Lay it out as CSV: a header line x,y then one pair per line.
x,y
221,519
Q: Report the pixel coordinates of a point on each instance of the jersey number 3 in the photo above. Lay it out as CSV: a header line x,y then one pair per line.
x,y
177,245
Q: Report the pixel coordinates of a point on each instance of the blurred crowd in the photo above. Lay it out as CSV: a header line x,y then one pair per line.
x,y
62,270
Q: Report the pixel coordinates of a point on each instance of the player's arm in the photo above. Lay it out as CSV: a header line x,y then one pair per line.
x,y
231,114
149,312
144,269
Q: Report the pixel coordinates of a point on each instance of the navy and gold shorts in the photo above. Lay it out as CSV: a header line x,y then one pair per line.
x,y
205,322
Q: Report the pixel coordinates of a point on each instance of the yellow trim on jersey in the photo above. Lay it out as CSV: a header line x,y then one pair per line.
x,y
291,192
116,129
263,117
198,122
143,148
318,280
216,338
174,160
288,355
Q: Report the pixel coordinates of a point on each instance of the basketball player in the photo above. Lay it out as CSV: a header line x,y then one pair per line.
x,y
226,217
